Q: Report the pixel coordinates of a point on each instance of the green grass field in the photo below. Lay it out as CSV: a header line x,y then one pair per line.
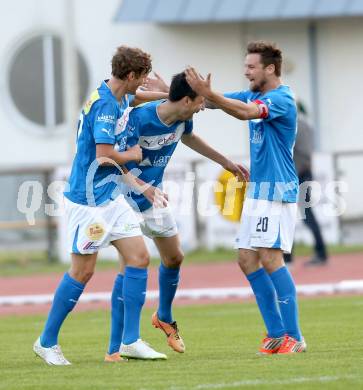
x,y
31,263
221,344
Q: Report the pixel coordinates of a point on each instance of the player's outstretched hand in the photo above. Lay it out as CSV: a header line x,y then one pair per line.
x,y
135,153
238,170
245,172
155,84
196,81
156,197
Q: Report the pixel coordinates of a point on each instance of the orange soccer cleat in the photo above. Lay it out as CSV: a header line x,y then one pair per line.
x,y
271,345
114,357
291,345
171,331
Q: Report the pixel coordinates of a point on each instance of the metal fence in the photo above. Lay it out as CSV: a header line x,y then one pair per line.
x,y
17,235
348,168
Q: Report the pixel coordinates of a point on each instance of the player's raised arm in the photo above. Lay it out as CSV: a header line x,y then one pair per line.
x,y
196,143
105,154
152,89
147,96
236,108
156,84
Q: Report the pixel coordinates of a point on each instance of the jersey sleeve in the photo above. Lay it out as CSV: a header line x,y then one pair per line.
x,y
276,105
238,95
104,123
188,126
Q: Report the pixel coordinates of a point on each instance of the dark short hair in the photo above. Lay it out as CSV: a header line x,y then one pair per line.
x,y
180,88
269,52
130,59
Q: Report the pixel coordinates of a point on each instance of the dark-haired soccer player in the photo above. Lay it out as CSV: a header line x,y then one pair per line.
x,y
269,212
157,127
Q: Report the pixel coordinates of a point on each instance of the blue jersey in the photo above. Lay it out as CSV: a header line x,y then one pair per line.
x,y
102,121
273,175
158,142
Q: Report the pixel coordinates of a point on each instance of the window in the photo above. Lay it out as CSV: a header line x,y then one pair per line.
x,y
35,81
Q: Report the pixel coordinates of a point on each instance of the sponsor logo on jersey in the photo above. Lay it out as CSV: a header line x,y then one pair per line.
x,y
157,142
161,161
95,231
147,142
257,136
106,118
107,131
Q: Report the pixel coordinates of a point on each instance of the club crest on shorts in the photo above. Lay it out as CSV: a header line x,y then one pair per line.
x,y
95,231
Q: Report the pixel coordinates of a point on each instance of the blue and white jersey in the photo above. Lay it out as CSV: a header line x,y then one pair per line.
x,y
158,142
272,139
102,121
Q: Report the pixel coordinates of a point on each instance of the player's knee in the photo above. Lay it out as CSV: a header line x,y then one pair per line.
x,y
88,275
271,265
143,259
244,265
271,259
247,264
83,276
174,260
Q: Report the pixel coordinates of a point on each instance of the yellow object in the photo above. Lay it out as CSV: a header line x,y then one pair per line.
x,y
95,231
94,97
229,195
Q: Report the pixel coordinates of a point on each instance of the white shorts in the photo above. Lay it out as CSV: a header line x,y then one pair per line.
x,y
92,228
158,222
267,224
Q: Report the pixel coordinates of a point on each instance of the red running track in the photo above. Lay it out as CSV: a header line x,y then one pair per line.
x,y
339,267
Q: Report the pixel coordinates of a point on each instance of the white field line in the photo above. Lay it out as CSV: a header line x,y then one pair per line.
x,y
264,382
345,286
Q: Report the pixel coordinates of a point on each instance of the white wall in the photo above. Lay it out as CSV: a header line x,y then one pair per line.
x,y
341,83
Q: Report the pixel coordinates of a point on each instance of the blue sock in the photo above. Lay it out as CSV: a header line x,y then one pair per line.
x,y
266,300
65,298
286,295
117,315
168,284
134,291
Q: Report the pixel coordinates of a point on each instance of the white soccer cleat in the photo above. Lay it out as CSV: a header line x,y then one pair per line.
x,y
52,356
140,350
